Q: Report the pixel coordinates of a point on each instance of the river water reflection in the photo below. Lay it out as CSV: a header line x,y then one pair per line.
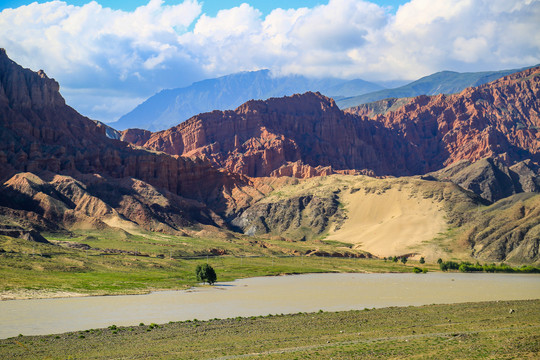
x,y
262,296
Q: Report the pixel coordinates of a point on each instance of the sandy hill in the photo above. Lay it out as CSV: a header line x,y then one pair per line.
x,y
385,217
399,216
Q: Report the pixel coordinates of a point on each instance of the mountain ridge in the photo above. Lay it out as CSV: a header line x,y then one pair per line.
x,y
442,82
498,119
169,107
62,172
42,135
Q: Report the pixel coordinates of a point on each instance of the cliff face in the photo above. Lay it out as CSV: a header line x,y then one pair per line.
x,y
295,135
40,133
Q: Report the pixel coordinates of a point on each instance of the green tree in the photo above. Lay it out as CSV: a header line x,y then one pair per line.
x,y
422,260
404,259
439,261
395,259
206,273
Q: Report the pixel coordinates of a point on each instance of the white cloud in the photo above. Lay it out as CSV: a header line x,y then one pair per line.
x,y
470,50
98,49
93,49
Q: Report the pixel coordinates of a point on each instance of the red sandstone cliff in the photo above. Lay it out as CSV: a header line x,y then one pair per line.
x,y
301,135
499,119
307,135
40,134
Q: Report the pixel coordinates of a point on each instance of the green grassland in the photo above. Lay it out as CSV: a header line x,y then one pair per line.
x,y
152,261
492,330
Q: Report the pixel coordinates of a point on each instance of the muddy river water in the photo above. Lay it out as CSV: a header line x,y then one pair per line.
x,y
262,296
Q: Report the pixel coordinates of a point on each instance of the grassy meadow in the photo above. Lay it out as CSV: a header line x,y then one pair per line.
x,y
122,263
492,330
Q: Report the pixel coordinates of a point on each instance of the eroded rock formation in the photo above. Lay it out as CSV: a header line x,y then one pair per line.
x,y
41,135
295,135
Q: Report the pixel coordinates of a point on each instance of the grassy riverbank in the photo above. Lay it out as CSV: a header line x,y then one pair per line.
x,y
501,330
107,264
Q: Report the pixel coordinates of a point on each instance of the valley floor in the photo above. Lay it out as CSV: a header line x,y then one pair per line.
x,y
97,263
501,330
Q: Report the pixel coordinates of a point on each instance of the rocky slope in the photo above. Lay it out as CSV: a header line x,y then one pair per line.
x,y
500,119
490,178
508,230
267,138
96,202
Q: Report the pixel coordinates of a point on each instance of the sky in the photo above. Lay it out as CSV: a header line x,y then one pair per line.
x,y
109,56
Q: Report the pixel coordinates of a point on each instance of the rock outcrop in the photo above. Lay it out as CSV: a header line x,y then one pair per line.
x,y
499,119
262,138
490,178
297,217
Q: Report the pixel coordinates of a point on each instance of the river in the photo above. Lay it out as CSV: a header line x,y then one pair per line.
x,y
262,296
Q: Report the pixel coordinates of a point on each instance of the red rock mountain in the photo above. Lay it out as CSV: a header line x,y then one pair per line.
x,y
499,119
40,132
41,135
302,135
307,135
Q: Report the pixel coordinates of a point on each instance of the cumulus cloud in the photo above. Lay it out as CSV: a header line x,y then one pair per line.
x,y
117,58
103,51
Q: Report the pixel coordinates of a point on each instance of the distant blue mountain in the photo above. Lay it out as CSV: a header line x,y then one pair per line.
x,y
444,82
171,107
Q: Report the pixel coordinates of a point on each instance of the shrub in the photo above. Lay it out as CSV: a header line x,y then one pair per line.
x,y
439,261
395,259
417,270
404,260
422,260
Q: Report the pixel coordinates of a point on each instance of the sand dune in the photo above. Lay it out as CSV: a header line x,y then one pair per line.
x,y
389,223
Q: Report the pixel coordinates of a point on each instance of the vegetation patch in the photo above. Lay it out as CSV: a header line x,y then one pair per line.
x,y
490,268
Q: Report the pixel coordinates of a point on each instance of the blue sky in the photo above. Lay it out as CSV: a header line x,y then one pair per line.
x,y
109,56
210,7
